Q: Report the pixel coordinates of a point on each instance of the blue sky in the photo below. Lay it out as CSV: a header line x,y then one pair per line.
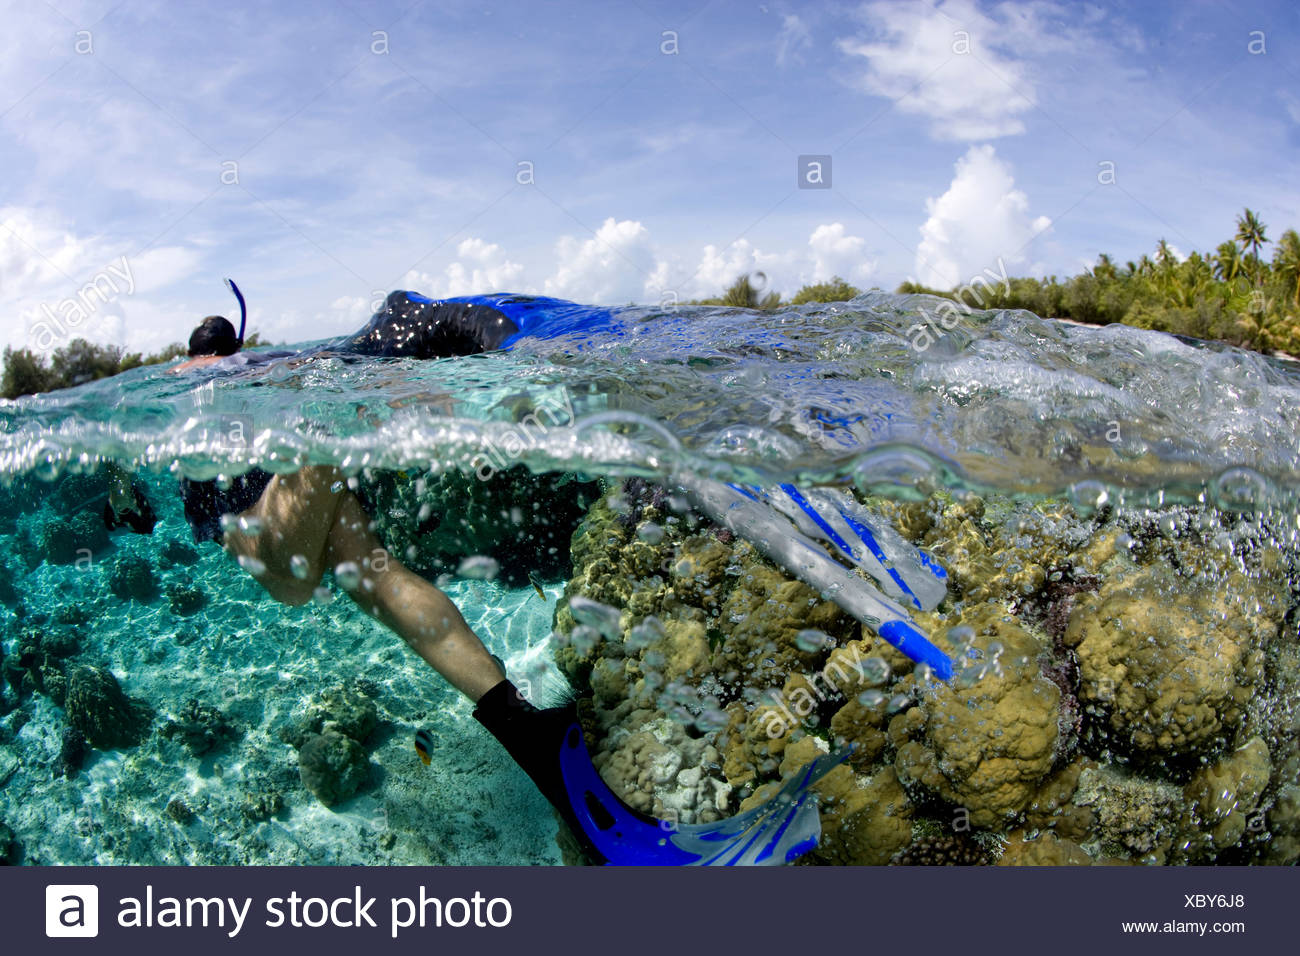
x,y
379,146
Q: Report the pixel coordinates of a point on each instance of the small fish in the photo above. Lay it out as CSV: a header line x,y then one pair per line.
x,y
424,745
535,581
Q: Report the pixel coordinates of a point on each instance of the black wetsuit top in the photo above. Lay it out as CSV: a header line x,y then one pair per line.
x,y
404,328
411,328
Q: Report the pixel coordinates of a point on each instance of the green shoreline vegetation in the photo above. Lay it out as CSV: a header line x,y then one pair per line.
x,y
1231,295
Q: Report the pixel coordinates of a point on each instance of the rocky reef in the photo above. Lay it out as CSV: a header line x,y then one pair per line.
x,y
1127,686
330,734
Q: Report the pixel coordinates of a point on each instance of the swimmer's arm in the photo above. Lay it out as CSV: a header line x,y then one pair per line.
x,y
201,362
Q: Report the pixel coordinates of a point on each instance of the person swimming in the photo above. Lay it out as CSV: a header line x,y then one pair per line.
x,y
287,530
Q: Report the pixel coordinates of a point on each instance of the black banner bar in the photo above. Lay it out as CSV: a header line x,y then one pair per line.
x,y
633,911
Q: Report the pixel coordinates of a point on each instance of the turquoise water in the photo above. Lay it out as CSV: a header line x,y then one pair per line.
x,y
1119,425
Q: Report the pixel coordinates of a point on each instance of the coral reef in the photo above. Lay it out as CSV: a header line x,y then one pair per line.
x,y
343,709
333,766
73,749
38,663
944,849
176,552
985,740
132,578
8,846
329,734
179,811
201,728
1222,800
186,598
1045,849
1171,671
64,541
97,707
521,520
1121,694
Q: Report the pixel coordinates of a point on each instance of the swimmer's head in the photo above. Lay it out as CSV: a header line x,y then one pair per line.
x,y
214,336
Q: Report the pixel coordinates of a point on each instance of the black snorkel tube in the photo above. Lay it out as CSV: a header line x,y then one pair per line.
x,y
243,310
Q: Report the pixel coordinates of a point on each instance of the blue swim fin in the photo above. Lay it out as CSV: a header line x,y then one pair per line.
x,y
749,513
778,832
904,572
548,746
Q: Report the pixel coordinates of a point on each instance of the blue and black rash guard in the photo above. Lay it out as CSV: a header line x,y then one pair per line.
x,y
411,326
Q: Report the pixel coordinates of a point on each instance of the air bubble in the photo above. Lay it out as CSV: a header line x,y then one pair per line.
x,y
479,567
584,639
898,702
348,575
1087,496
602,618
811,640
252,565
871,699
961,637
1240,489
299,567
322,595
644,634
650,533
711,719
875,671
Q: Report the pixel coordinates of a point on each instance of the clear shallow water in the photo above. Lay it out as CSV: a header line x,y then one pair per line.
x,y
830,393
1018,409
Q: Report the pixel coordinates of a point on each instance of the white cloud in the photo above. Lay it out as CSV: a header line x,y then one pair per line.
x,y
60,285
38,254
980,221
621,264
161,267
479,267
834,253
720,267
793,39
916,57
614,267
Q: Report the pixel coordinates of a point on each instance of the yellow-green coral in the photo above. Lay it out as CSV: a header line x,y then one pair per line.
x,y
1165,662
1223,798
1171,671
986,740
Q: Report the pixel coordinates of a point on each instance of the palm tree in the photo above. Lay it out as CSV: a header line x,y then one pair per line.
x,y
1286,263
1250,233
1227,261
744,294
1105,267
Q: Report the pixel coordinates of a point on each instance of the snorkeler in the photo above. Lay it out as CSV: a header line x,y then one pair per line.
x,y
287,530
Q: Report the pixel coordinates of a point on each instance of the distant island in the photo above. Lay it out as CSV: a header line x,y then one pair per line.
x,y
1232,294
